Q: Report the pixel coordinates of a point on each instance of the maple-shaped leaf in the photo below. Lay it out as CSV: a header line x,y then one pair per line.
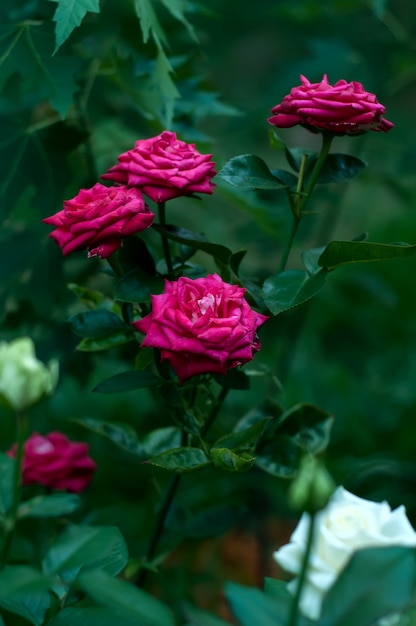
x,y
69,14
26,50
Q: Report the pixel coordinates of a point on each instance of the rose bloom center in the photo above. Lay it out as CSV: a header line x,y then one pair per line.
x,y
204,304
43,447
348,521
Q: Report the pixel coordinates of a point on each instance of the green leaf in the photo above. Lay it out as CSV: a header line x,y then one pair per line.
x,y
113,593
275,140
187,421
127,381
97,324
23,591
137,286
277,589
69,14
310,259
286,178
163,82
377,581
181,460
106,343
125,437
235,260
309,426
177,9
149,22
90,297
252,607
161,440
7,465
53,505
95,616
26,50
86,547
338,168
230,461
342,252
280,457
249,172
197,617
194,240
243,439
122,435
289,289
233,379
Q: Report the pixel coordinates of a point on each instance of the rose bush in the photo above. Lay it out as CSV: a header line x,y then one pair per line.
x,y
97,219
164,167
55,462
347,524
24,380
345,108
201,326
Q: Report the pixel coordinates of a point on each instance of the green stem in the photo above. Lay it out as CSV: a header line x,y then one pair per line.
x,y
326,145
159,527
287,250
17,487
302,196
294,202
115,265
165,242
294,613
214,411
170,494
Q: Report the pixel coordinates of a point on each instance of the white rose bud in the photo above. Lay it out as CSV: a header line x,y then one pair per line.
x,y
347,524
24,380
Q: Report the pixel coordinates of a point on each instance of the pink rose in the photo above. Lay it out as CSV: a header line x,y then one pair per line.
x,y
55,462
164,167
202,326
345,108
98,219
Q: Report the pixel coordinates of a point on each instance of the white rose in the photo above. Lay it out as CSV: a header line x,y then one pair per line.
x,y
347,524
23,378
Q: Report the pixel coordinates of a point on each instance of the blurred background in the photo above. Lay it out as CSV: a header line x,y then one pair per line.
x,y
351,351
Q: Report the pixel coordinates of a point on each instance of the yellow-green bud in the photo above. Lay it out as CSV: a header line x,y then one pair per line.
x,y
312,487
24,380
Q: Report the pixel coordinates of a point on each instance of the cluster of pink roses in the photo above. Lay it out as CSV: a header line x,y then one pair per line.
x,y
200,326
99,218
56,462
203,325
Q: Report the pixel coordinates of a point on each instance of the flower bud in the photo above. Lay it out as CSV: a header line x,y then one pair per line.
x,y
24,380
312,487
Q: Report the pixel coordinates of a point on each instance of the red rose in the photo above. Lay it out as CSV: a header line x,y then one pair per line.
x,y
55,462
98,219
345,108
202,326
164,167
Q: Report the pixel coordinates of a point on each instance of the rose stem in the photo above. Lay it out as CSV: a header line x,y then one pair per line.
x,y
170,494
126,307
326,145
294,612
165,242
296,215
302,197
17,486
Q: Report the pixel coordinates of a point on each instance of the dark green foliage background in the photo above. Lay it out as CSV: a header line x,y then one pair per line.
x,y
351,350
